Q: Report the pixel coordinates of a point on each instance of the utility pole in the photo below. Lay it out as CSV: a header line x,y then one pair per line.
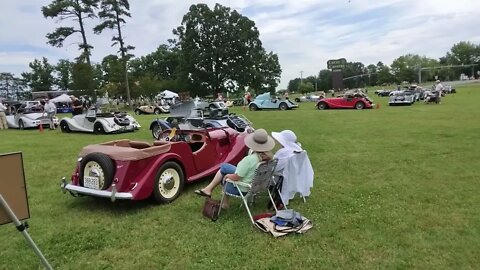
x,y
419,75
301,76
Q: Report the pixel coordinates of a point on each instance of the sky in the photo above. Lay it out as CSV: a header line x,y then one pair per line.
x,y
303,33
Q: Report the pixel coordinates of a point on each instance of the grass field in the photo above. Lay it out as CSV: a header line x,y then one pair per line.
x,y
395,188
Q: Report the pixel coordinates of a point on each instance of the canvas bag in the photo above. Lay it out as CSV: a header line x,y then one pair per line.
x,y
211,208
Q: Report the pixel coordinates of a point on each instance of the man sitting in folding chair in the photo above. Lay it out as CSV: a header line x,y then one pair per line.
x,y
240,178
294,169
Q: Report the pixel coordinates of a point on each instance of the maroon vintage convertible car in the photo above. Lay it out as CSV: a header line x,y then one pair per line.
x,y
136,170
348,101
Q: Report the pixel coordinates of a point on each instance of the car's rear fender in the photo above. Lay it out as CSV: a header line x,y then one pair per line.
x,y
163,123
145,179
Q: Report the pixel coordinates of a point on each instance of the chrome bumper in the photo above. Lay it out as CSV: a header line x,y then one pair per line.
x,y
113,195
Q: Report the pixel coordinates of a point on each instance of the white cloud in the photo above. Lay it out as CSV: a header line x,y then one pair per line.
x,y
304,34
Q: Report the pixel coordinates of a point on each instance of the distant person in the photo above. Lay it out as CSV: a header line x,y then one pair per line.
x,y
3,116
248,98
51,110
77,105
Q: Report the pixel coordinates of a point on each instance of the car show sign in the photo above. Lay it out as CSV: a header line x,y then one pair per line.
x,y
12,187
335,64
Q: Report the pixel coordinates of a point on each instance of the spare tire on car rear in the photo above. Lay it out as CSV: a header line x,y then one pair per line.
x,y
96,171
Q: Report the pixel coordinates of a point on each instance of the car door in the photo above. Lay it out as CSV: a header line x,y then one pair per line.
x,y
207,156
89,119
348,102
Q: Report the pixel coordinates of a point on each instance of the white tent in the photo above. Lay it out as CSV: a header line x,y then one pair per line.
x,y
167,94
62,98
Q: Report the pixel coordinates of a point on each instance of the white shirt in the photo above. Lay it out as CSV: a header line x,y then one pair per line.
x,y
439,87
50,107
2,107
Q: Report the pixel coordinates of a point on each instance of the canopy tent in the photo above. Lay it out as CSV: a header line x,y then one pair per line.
x,y
62,98
167,94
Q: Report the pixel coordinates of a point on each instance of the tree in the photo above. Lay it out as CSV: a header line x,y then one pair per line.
x,y
405,67
161,64
64,74
384,76
84,79
41,77
77,10
305,87
112,15
293,85
324,80
221,51
12,87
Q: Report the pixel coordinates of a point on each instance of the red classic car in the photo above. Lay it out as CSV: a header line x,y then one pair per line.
x,y
136,170
346,102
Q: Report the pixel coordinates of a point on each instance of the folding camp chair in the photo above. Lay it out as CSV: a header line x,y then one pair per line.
x,y
261,182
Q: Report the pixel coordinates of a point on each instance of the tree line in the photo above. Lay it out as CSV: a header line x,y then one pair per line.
x,y
214,51
405,68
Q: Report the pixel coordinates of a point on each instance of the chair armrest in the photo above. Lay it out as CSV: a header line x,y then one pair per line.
x,y
238,183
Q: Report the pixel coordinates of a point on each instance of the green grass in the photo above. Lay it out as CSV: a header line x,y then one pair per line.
x,y
395,188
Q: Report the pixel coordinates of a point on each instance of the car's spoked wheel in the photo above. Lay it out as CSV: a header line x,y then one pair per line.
x,y
156,111
138,112
168,183
64,126
359,105
156,130
253,107
98,129
96,171
283,106
322,106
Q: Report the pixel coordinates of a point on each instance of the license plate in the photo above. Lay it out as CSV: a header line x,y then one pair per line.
x,y
90,182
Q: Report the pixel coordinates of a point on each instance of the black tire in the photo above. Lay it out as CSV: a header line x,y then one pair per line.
x,y
138,112
169,182
21,125
156,111
297,100
359,105
283,106
253,107
98,128
322,105
97,165
64,126
156,130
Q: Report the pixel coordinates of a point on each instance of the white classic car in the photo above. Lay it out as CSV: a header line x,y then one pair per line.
x,y
99,123
29,118
155,109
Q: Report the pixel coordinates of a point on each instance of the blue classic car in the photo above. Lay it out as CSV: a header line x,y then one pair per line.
x,y
265,101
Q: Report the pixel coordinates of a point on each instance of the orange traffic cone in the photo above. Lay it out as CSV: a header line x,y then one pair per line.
x,y
40,128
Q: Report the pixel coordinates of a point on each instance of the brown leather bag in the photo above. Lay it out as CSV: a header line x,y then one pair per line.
x,y
211,208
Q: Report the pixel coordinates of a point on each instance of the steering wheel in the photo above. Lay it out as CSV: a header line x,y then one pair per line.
x,y
173,135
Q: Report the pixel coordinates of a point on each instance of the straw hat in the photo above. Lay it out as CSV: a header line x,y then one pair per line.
x,y
259,141
287,139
